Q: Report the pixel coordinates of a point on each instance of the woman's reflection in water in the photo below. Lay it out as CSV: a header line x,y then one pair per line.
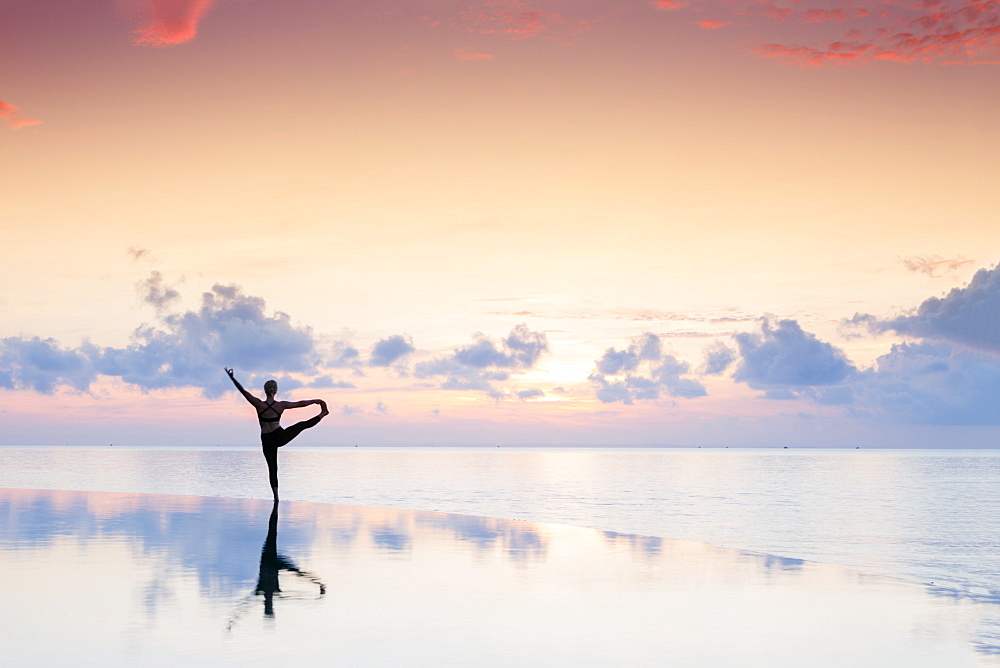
x,y
271,564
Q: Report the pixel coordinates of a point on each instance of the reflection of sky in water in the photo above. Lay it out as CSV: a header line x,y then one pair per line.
x,y
929,516
123,579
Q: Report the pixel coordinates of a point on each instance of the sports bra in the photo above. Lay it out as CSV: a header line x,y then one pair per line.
x,y
270,406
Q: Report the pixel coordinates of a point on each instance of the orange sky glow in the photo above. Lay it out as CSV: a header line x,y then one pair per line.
x,y
503,222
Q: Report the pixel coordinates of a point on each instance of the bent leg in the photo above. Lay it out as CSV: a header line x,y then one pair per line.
x,y
298,428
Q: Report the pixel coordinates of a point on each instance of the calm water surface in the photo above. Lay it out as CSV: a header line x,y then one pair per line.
x,y
108,579
927,515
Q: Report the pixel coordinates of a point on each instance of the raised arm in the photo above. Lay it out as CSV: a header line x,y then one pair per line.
x,y
254,401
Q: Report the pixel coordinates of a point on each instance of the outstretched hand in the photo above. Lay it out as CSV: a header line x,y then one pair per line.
x,y
230,372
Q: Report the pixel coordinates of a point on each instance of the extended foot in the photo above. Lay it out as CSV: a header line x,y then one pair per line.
x,y
323,410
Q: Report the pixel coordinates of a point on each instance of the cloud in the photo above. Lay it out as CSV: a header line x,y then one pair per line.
x,y
152,291
165,23
718,357
823,15
183,349
707,24
42,365
137,253
14,120
701,324
929,383
343,355
486,361
967,316
668,4
646,347
513,19
815,34
945,32
188,348
532,393
326,382
924,382
642,371
387,351
950,375
466,54
784,357
933,264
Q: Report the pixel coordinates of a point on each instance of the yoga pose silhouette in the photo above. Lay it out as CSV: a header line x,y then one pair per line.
x,y
272,435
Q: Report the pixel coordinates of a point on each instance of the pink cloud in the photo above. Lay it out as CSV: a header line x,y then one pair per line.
x,y
167,22
815,33
712,25
823,15
466,54
515,24
935,265
13,120
810,57
514,19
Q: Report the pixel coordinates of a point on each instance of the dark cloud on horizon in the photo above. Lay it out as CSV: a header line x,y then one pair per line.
x,y
924,382
928,383
642,371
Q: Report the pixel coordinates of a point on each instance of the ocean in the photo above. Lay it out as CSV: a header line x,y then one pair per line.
x,y
929,516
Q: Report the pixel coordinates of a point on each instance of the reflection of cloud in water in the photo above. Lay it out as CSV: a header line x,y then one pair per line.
x,y
519,540
217,539
447,584
390,538
654,547
781,563
650,545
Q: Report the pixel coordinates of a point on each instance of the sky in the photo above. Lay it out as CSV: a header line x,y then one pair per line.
x,y
505,222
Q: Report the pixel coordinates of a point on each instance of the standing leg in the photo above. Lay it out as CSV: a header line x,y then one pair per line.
x,y
281,436
271,456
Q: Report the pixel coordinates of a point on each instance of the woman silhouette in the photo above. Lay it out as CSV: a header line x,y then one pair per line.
x,y
272,435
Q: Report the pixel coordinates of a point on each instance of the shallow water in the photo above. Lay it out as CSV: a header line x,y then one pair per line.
x,y
927,515
114,579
